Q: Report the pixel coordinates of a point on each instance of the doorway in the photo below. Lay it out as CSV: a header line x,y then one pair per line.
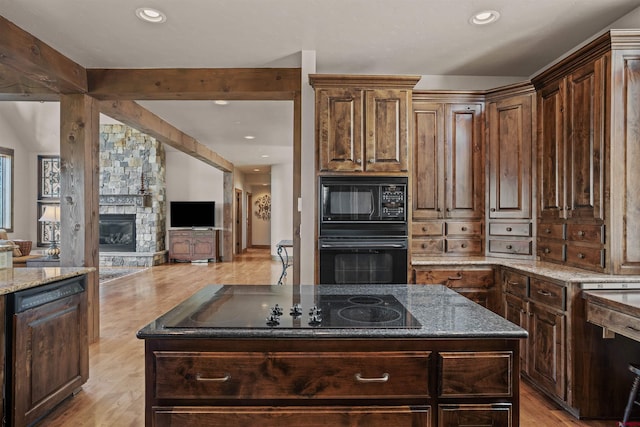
x,y
249,220
238,222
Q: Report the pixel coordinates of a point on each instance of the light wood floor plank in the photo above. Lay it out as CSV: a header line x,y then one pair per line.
x,y
114,394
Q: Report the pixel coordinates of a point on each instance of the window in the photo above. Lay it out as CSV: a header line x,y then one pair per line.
x,y
6,188
48,194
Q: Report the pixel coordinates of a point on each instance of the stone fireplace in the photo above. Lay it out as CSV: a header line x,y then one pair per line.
x,y
132,188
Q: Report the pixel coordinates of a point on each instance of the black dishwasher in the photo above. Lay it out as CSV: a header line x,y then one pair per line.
x,y
47,348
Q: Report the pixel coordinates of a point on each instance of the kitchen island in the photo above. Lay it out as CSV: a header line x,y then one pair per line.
x,y
374,355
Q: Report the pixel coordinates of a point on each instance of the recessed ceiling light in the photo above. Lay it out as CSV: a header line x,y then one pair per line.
x,y
149,14
264,156
249,137
256,170
484,17
221,102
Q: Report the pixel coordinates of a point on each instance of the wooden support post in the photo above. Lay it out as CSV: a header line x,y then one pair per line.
x,y
79,193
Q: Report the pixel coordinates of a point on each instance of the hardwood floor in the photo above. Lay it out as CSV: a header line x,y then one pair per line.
x,y
114,394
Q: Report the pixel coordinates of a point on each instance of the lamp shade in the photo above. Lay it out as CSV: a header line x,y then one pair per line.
x,y
50,214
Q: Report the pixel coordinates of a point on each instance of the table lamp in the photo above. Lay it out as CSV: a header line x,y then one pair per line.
x,y
51,215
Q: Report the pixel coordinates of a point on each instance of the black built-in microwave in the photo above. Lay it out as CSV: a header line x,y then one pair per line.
x,y
363,205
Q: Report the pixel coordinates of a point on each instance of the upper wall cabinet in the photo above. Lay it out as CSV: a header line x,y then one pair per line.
x,y
362,122
588,138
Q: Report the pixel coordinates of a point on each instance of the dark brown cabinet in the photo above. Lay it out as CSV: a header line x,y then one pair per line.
x,y
475,283
510,155
448,177
193,245
362,122
586,134
48,350
539,306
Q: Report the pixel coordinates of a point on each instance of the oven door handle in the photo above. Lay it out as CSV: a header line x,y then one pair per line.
x,y
360,245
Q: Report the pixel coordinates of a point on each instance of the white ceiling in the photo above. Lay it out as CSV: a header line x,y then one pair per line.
x,y
421,37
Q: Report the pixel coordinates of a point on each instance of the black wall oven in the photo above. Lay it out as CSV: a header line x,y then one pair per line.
x,y
363,230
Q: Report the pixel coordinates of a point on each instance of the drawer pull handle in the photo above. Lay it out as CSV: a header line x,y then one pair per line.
x,y
509,247
458,277
463,228
226,378
544,293
509,229
424,246
464,245
581,255
509,282
383,379
424,229
581,233
547,250
547,230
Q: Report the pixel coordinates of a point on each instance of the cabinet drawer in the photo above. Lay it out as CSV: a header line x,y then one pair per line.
x,y
463,246
477,374
424,246
496,414
463,228
614,321
181,234
551,231
510,229
585,256
585,233
196,375
550,294
460,278
308,416
552,251
519,247
427,228
515,283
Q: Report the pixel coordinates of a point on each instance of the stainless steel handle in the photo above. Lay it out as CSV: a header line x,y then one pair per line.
x,y
383,379
226,377
360,245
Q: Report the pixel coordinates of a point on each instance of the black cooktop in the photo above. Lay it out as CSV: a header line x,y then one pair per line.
x,y
287,307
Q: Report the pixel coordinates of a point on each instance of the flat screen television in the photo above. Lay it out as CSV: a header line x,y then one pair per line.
x,y
193,214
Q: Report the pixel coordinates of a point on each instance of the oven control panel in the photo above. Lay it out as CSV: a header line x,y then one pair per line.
x,y
393,201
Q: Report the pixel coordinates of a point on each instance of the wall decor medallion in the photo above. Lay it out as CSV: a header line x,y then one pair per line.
x,y
263,210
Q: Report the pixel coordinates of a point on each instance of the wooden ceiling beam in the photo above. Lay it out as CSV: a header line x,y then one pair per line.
x,y
38,61
15,86
194,83
134,115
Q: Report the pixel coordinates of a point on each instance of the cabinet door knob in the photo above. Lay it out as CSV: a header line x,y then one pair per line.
x,y
463,228
358,161
581,233
581,255
509,229
424,229
547,250
547,230
493,209
464,245
372,160
448,209
509,247
424,246
438,210
568,208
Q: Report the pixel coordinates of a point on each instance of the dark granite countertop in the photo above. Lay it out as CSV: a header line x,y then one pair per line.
x,y
441,312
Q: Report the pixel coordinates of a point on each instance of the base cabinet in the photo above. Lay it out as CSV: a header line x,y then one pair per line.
x,y
339,383
369,416
193,245
477,284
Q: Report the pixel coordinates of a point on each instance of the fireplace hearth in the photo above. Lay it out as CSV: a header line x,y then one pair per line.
x,y
117,233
